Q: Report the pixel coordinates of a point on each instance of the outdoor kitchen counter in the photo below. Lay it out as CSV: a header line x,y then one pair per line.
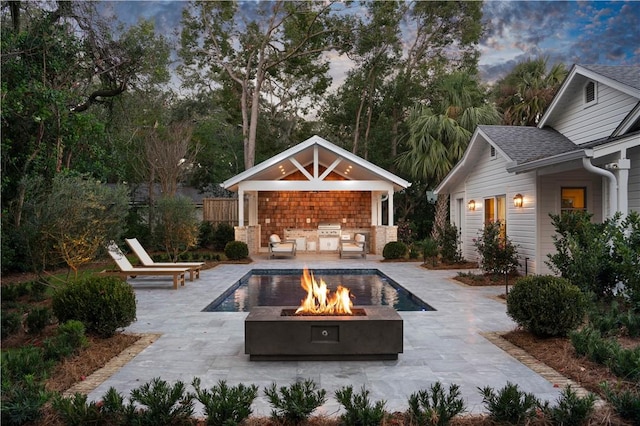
x,y
308,239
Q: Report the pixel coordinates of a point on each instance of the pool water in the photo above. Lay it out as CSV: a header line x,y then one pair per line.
x,y
281,287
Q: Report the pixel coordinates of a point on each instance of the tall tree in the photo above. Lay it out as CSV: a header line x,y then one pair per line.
x,y
260,46
59,60
440,133
524,94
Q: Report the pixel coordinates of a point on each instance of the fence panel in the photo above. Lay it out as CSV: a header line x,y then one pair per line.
x,y
220,210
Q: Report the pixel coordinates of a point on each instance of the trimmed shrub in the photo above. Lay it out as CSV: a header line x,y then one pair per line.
x,y
11,323
394,250
295,404
434,407
162,404
449,244
546,305
224,405
103,304
69,338
510,404
22,401
236,250
571,409
359,411
25,361
37,319
626,403
499,254
223,235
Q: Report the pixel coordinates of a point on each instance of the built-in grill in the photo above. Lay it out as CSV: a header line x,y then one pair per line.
x,y
329,230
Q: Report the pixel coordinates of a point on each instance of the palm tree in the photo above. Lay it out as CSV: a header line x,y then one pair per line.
x,y
527,90
439,133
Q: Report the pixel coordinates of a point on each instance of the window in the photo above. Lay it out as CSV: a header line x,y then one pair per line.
x,y
590,93
496,209
573,198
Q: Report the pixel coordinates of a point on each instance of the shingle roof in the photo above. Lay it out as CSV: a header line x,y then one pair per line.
x,y
523,144
629,75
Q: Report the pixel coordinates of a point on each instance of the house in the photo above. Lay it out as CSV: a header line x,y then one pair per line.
x,y
316,193
584,154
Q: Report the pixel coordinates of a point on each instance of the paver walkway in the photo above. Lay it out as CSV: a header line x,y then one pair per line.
x,y
446,345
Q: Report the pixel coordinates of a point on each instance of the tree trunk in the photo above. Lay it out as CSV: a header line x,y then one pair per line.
x,y
440,219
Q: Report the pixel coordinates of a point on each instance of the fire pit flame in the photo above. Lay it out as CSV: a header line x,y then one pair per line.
x,y
319,299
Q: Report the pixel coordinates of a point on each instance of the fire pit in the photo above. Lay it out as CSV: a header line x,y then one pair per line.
x,y
325,327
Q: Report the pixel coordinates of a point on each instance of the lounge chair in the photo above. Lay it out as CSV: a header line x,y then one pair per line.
x,y
356,246
126,269
277,247
147,261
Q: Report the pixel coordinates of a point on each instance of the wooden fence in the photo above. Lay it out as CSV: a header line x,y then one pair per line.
x,y
221,210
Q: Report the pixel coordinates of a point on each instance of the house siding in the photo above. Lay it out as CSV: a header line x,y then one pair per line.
x,y
490,179
581,123
549,190
634,179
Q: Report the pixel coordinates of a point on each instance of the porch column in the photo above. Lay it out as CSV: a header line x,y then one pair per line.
x,y
390,195
624,164
240,207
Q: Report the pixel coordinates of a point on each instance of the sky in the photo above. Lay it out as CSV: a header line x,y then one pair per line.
x,y
572,32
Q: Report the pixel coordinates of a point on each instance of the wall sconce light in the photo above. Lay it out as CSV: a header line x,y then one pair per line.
x,y
472,205
517,200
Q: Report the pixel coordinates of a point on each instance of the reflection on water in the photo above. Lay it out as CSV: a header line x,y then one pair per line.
x,y
285,290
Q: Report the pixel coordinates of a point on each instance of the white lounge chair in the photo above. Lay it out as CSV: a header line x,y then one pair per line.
x,y
356,246
147,261
126,269
277,247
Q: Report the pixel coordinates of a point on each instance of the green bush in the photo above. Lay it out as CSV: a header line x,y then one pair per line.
x,y
449,244
12,292
37,319
223,235
546,305
176,225
224,405
162,404
499,255
11,323
571,410
25,361
295,403
510,404
394,250
358,409
102,303
624,363
22,400
598,257
236,250
70,336
206,231
626,403
433,407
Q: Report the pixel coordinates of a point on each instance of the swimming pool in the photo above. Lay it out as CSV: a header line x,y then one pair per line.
x,y
281,287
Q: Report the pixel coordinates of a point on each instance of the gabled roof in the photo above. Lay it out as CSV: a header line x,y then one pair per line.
x,y
523,144
626,79
519,145
315,153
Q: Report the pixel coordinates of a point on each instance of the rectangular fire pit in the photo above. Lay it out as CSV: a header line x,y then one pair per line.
x,y
372,333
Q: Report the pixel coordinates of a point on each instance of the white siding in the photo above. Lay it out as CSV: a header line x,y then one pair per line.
x,y
489,179
549,187
634,179
582,123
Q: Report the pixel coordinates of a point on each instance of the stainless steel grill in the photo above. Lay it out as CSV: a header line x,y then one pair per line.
x,y
329,230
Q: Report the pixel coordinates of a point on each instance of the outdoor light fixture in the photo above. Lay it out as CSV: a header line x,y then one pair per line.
x,y
472,205
517,200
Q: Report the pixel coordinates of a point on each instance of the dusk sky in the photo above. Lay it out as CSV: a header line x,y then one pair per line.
x,y
584,32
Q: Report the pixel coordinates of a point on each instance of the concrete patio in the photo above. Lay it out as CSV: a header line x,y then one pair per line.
x,y
445,345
